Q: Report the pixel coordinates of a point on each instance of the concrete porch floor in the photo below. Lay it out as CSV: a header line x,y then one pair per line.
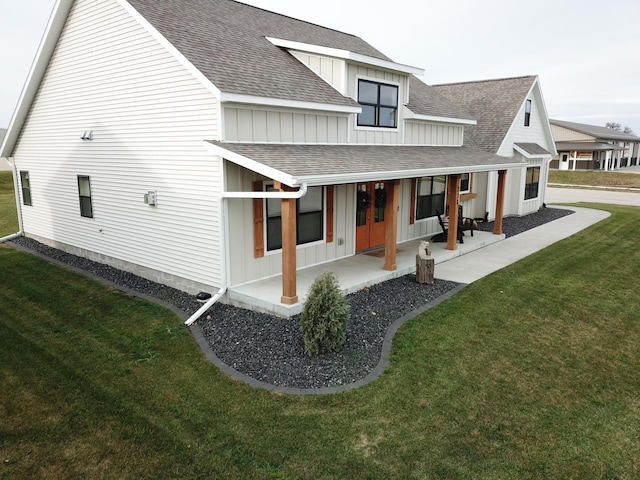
x,y
353,273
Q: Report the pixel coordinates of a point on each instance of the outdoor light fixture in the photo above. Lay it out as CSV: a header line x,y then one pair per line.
x,y
87,135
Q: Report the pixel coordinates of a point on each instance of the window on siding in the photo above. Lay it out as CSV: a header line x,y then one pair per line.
x,y
531,183
527,113
26,187
430,196
379,104
309,218
84,192
465,183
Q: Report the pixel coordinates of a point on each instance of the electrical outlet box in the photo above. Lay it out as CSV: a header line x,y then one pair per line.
x,y
151,198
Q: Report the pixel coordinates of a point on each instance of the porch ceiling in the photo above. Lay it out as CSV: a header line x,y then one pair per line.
x,y
295,164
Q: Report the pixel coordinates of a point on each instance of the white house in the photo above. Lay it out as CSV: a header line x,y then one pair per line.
x,y
211,144
590,147
512,122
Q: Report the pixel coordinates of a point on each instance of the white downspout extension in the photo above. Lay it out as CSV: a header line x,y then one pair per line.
x,y
226,195
20,232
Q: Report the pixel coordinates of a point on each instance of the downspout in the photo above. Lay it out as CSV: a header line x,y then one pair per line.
x,y
226,195
20,232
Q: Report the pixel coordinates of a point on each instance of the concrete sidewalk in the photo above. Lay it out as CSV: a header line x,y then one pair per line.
x,y
574,195
480,263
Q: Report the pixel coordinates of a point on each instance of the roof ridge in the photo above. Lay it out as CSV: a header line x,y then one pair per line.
x,y
484,81
296,19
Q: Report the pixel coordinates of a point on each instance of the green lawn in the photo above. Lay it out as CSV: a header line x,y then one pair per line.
x,y
592,178
8,213
529,373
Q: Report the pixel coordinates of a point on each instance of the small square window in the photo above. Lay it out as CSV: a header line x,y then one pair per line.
x,y
84,192
26,188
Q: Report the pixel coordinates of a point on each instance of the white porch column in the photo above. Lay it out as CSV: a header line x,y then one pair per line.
x,y
574,157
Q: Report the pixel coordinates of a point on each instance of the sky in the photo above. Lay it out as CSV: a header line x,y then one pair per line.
x,y
586,52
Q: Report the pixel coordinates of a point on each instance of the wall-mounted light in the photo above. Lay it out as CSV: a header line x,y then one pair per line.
x,y
87,135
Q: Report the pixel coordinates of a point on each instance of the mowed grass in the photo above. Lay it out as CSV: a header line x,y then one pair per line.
x,y
8,212
595,178
531,372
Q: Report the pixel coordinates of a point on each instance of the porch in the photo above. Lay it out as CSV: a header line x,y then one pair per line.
x,y
353,273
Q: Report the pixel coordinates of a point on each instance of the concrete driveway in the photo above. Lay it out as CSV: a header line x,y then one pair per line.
x,y
574,195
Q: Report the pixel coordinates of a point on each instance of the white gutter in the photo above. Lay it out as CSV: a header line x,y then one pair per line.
x,y
20,232
225,195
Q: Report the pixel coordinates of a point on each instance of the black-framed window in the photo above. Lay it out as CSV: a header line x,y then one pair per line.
x,y
379,103
25,185
430,196
527,113
84,192
465,183
531,183
309,218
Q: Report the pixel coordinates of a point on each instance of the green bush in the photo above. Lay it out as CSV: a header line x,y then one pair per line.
x,y
324,317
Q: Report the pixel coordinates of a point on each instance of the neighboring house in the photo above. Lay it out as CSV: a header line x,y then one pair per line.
x,y
589,147
512,122
212,144
3,165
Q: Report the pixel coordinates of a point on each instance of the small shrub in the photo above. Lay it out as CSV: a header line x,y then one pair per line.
x,y
324,317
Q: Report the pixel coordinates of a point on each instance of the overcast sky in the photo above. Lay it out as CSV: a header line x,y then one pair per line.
x,y
586,52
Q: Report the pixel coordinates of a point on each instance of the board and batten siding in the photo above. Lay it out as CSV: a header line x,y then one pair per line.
x,y
331,70
247,268
149,117
433,134
246,124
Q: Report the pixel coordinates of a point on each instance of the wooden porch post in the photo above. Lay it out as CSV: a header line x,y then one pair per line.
x,y
391,226
289,280
497,228
453,193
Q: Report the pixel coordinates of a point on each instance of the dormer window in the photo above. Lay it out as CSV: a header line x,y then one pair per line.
x,y
379,104
527,113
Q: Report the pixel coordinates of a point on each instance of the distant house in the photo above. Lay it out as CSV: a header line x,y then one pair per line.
x,y
589,147
208,145
512,121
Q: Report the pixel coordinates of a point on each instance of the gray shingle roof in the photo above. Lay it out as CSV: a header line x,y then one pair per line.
x,y
300,160
533,149
225,40
595,131
584,146
493,103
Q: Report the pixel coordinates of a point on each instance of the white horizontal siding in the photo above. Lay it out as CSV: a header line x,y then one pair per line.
x,y
149,117
561,134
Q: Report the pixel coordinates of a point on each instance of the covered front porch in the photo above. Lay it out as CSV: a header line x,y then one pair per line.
x,y
354,273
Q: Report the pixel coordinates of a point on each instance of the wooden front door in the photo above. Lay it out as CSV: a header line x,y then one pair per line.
x,y
371,200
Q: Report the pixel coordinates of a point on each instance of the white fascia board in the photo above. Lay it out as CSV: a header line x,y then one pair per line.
x,y
279,102
316,180
170,48
409,115
346,55
547,123
39,66
250,164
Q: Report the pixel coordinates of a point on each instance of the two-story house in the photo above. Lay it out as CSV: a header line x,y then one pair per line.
x,y
208,145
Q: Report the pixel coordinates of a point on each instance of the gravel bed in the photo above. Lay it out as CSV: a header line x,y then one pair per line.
x,y
271,349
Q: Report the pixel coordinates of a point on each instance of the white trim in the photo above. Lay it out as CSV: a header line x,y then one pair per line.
x,y
250,164
409,115
280,102
346,55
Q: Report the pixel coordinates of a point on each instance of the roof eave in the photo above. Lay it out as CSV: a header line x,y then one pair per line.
x,y
409,115
346,55
39,66
280,102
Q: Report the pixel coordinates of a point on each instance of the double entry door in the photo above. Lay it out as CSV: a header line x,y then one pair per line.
x,y
371,202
